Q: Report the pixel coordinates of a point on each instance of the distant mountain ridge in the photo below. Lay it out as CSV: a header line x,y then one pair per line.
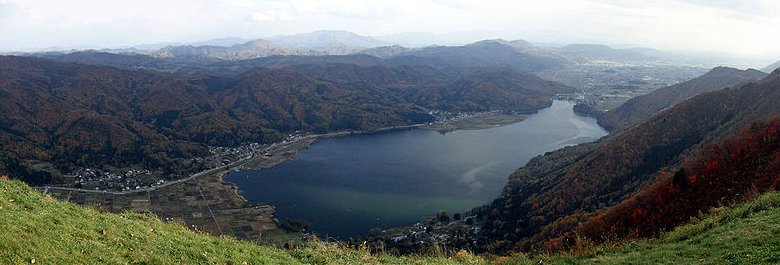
x,y
586,52
386,51
232,68
518,55
317,43
323,40
212,42
339,42
118,60
772,67
248,50
640,108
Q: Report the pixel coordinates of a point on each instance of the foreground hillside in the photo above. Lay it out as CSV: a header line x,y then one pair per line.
x,y
558,191
745,234
38,229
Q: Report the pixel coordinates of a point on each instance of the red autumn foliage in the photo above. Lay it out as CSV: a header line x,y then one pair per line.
x,y
731,172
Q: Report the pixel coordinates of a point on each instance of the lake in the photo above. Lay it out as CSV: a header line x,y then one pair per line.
x,y
345,186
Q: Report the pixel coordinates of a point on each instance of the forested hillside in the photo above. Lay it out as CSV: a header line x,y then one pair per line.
x,y
84,115
733,171
641,108
556,192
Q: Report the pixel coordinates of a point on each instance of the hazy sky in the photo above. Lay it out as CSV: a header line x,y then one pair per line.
x,y
748,28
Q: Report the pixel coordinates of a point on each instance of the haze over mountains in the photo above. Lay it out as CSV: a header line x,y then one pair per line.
x,y
772,67
327,40
337,42
586,52
248,50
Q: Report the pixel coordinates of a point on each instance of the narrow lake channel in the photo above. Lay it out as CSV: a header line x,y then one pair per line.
x,y
345,186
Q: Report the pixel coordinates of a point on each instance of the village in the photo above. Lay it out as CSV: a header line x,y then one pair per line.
x,y
136,179
442,229
441,116
88,178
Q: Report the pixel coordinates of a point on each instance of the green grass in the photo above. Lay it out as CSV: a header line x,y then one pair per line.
x,y
744,234
40,228
37,227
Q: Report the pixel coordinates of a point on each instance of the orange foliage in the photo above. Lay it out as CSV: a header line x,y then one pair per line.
x,y
722,174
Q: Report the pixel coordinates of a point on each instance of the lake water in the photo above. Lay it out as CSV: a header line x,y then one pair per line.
x,y
345,186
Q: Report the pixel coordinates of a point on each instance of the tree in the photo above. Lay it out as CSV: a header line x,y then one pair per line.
x,y
443,216
680,179
376,231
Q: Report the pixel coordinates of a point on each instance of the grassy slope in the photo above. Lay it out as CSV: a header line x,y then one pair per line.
x,y
51,232
37,227
745,234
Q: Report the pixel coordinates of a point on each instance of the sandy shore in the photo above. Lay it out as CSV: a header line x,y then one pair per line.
x,y
477,122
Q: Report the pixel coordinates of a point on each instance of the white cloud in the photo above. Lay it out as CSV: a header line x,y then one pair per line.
x,y
350,8
266,16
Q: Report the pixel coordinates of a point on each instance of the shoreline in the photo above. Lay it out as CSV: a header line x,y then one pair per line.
x,y
221,209
283,152
477,122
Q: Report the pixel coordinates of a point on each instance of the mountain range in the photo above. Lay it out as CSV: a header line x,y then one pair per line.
x,y
642,107
247,50
336,42
517,54
88,115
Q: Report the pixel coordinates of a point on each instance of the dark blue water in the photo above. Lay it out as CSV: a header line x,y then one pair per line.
x,y
345,186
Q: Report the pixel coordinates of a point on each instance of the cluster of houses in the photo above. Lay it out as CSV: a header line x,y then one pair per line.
x,y
294,136
227,155
430,232
445,116
133,179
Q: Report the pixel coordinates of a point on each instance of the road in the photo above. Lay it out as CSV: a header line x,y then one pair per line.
x,y
166,184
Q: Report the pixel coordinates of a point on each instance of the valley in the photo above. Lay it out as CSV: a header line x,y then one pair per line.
x,y
215,206
395,178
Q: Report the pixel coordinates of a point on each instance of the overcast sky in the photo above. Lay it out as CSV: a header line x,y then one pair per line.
x,y
749,28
